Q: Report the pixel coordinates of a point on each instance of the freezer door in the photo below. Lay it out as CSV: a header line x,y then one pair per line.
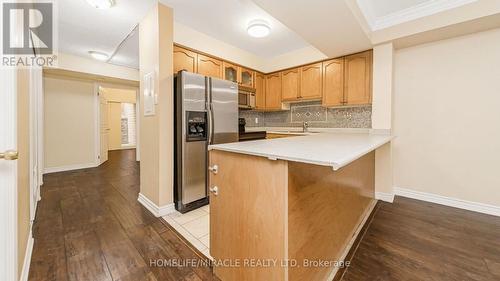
x,y
223,111
194,152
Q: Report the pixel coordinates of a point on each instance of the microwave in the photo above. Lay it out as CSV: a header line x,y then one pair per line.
x,y
246,98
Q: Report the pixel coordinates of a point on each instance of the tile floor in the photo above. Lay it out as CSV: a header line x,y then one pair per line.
x,y
194,226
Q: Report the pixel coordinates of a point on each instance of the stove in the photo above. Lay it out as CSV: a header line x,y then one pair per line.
x,y
248,136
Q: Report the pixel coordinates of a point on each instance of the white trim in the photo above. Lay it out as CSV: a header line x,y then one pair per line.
x,y
27,258
421,10
155,209
97,125
50,170
449,201
387,197
138,125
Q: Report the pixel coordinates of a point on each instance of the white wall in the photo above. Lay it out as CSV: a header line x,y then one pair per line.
x,y
69,124
447,118
189,37
88,65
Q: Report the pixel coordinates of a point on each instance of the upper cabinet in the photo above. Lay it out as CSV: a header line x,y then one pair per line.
x,y
290,89
209,66
342,81
357,79
260,91
273,91
311,77
185,60
333,82
247,77
231,72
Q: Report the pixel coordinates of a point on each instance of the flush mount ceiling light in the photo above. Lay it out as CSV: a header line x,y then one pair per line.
x,y
258,28
98,55
101,4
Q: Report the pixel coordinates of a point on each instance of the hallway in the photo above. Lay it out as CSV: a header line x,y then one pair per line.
x,y
90,226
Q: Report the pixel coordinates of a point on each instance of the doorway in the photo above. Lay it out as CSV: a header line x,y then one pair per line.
x,y
118,122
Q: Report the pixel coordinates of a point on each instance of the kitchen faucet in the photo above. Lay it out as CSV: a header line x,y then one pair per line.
x,y
305,126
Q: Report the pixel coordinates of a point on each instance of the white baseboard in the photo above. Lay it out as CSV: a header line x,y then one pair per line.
x,y
448,201
155,209
387,197
69,168
27,258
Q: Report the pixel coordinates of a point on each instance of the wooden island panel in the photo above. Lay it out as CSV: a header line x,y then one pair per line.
x,y
248,216
285,210
325,209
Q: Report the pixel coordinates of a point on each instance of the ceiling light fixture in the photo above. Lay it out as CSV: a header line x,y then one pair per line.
x,y
98,55
101,4
258,28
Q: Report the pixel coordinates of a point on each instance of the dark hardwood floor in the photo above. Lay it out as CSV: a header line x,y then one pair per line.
x,y
90,227
415,240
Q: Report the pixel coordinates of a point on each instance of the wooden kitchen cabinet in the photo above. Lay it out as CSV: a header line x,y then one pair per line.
x,y
185,60
357,78
231,72
260,91
209,66
290,82
333,82
247,77
273,91
311,77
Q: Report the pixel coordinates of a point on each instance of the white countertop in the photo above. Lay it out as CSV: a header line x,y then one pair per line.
x,y
325,149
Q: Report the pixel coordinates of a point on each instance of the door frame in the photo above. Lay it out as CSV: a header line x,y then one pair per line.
x,y
8,236
97,120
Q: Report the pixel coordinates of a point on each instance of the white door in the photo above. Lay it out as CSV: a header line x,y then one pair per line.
x,y
104,128
8,175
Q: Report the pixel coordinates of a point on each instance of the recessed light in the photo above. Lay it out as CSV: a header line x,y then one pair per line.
x,y
98,55
101,4
258,28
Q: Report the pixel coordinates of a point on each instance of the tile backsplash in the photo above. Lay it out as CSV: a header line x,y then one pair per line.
x,y
312,112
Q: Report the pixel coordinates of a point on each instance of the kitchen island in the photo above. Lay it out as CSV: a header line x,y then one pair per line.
x,y
289,208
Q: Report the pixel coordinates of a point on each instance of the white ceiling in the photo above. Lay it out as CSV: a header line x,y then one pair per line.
x,y
227,20
329,25
380,8
383,14
83,28
334,27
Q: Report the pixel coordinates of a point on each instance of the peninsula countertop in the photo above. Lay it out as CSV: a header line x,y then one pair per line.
x,y
326,149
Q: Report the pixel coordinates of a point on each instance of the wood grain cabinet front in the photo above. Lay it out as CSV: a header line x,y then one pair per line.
x,y
260,91
185,60
247,77
311,77
333,82
209,66
231,72
290,82
357,79
273,91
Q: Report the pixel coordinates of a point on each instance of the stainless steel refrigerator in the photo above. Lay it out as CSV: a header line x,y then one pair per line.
x,y
206,112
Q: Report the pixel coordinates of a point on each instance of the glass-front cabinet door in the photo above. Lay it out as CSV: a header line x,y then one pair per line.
x,y
247,77
231,72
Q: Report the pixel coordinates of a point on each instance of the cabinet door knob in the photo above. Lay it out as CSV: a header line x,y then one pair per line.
x,y
214,190
214,169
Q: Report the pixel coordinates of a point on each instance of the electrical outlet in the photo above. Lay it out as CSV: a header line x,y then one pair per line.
x,y
256,120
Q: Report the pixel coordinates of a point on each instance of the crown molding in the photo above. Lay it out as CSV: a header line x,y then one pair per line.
x,y
421,10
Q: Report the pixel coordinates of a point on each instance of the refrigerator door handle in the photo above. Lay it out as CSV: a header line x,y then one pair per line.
x,y
210,113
